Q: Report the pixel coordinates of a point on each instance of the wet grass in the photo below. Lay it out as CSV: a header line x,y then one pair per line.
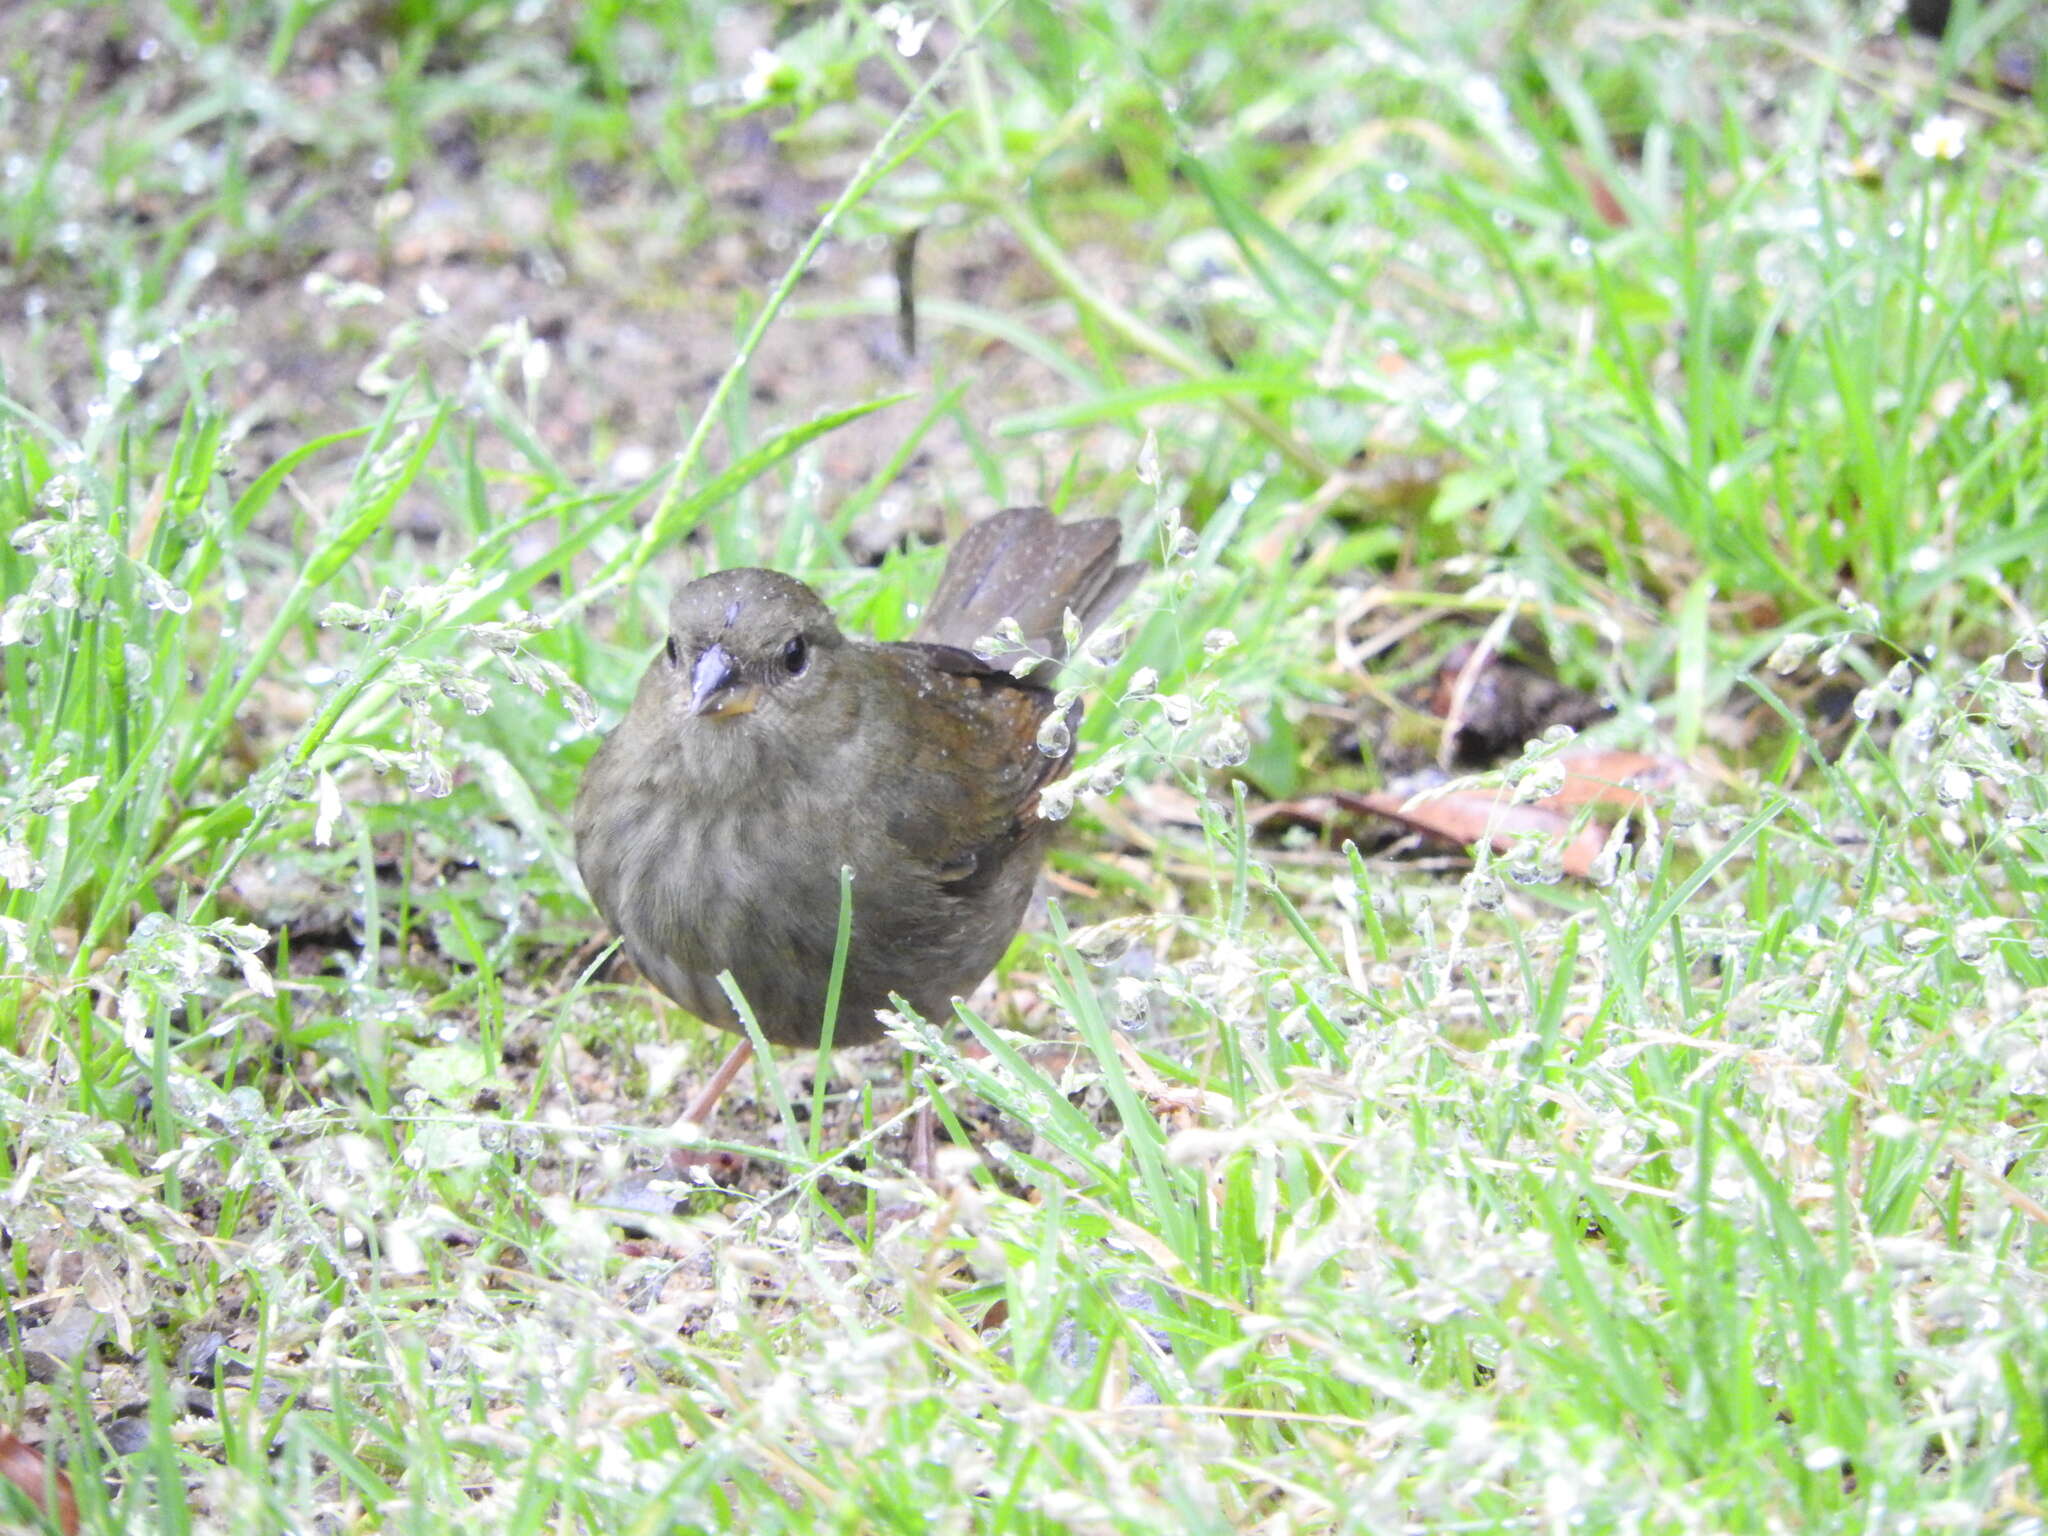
x,y
1702,362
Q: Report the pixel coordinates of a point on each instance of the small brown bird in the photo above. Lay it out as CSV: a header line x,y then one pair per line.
x,y
765,750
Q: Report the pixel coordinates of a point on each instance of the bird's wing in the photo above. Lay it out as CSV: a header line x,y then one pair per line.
x,y
967,793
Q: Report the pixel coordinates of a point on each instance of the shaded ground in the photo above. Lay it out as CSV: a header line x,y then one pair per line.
x,y
339,284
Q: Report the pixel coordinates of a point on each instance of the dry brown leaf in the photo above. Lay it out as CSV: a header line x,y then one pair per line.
x,y
1469,816
29,1470
1623,780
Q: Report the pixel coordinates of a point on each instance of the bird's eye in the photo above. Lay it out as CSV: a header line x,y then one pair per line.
x,y
796,655
675,656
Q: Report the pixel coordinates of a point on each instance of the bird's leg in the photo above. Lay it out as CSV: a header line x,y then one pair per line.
x,y
701,1107
923,1165
708,1096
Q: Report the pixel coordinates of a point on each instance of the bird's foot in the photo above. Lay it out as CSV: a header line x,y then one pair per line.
x,y
719,1165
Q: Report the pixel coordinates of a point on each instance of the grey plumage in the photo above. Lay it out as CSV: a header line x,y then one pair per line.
x,y
712,825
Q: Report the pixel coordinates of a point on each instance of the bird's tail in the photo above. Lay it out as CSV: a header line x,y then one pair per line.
x,y
1025,564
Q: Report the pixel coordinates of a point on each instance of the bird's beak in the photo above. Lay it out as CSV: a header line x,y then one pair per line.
x,y
712,690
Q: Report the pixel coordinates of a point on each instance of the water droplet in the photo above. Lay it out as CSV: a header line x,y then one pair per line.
x,y
1148,461
1791,652
1972,943
1109,646
1055,736
1133,1004
1228,745
1485,891
1538,780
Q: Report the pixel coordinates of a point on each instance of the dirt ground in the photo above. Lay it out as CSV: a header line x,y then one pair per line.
x,y
640,287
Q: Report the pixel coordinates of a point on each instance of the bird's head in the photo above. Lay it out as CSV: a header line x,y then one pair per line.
x,y
745,641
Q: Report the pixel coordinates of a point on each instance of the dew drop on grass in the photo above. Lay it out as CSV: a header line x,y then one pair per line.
x,y
2027,1072
1144,683
1055,736
1543,866
1109,646
1133,1005
1953,784
20,870
1538,780
1791,652
1864,706
160,595
1918,941
1227,746
1105,778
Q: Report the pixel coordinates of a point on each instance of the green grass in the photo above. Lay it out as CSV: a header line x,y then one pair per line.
x,y
1378,1193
